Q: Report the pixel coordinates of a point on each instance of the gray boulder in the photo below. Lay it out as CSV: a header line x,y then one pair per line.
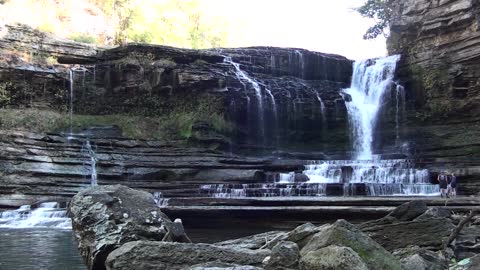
x,y
342,233
409,210
254,241
416,258
154,255
105,217
221,266
285,254
332,258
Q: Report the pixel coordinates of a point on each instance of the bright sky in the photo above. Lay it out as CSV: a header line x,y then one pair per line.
x,y
329,26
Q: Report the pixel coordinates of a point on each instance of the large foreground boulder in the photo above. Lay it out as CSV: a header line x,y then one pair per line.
x,y
154,255
105,217
344,234
410,224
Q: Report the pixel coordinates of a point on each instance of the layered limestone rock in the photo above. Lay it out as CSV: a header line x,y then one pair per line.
x,y
48,167
273,96
440,46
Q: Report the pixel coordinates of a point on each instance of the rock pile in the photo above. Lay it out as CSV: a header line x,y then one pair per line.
x,y
121,228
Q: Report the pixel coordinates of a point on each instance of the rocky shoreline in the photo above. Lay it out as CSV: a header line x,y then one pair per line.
x,y
120,228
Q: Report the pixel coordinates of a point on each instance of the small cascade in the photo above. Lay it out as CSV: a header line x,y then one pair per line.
x,y
370,81
322,107
302,63
399,109
159,199
70,97
93,163
243,77
46,215
395,177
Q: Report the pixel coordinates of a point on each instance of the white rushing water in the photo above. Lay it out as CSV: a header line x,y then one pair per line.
x,y
70,97
243,77
371,79
46,215
93,163
367,174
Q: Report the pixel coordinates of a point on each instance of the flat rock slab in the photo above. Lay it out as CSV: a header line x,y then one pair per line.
x,y
151,255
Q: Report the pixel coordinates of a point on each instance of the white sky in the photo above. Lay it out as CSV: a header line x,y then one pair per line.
x,y
329,26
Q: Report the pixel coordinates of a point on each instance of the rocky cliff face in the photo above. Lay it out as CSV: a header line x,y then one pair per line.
x,y
272,96
440,46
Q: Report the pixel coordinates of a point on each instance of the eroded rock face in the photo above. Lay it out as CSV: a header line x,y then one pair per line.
x,y
104,218
439,44
150,255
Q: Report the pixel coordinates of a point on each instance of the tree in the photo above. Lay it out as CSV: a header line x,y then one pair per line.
x,y
381,12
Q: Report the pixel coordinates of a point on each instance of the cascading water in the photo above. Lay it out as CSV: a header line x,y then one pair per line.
x,y
243,77
367,175
371,79
70,97
46,215
93,163
159,199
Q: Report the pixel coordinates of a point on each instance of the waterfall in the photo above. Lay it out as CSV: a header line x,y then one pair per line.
x,y
370,80
47,215
70,96
243,77
302,63
93,163
159,199
399,101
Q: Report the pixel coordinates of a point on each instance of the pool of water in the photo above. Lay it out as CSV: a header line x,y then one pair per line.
x,y
39,249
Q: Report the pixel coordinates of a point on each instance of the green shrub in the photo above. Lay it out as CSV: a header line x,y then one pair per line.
x,y
84,38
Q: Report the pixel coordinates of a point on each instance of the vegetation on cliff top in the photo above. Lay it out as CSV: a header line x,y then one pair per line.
x,y
380,11
179,23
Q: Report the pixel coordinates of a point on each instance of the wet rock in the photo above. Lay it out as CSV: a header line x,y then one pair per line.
x,y
285,254
332,258
342,233
150,255
105,217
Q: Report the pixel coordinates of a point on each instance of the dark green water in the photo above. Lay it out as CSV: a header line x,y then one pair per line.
x,y
39,249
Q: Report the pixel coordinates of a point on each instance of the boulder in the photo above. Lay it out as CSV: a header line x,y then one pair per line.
x,y
342,233
409,210
284,254
105,217
154,255
222,266
396,234
255,241
332,258
414,257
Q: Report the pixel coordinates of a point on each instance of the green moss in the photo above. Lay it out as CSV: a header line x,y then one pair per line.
x,y
177,125
433,88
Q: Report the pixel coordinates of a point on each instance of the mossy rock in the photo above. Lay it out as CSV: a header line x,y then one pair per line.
x,y
342,233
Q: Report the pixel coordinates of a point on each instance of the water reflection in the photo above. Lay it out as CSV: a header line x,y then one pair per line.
x,y
39,249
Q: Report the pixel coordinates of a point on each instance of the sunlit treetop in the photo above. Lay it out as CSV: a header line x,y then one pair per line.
x,y
380,11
